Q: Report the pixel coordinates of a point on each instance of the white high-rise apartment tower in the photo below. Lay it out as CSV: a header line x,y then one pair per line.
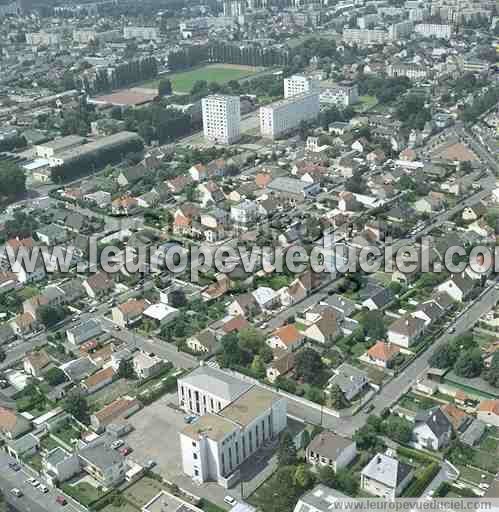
x,y
222,118
298,84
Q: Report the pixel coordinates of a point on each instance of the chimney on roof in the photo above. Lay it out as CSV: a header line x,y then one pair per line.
x,y
378,459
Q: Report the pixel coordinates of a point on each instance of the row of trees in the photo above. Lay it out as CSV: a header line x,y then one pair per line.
x,y
385,89
158,122
248,55
464,355
87,163
123,75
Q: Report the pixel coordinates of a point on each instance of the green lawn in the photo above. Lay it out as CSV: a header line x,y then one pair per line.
x,y
366,103
183,82
473,476
83,492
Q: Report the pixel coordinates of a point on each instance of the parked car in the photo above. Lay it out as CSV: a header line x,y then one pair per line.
x,y
125,450
43,488
190,419
14,466
230,500
61,500
150,464
117,444
33,481
16,492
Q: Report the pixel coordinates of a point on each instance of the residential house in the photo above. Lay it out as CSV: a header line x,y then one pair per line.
x,y
146,366
23,324
8,281
102,463
459,287
321,499
129,313
433,202
382,354
121,408
128,177
244,305
198,172
379,300
265,297
13,425
204,341
78,369
350,380
405,331
293,293
22,447
98,285
321,325
177,185
287,338
37,363
84,332
432,430
488,412
235,324
59,465
429,311
51,234
330,449
98,380
124,205
385,477
183,219
281,365
209,193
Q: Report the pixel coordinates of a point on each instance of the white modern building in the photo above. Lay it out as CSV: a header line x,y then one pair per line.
x,y
216,445
208,390
43,38
142,33
411,71
434,30
364,36
286,115
342,95
222,118
299,84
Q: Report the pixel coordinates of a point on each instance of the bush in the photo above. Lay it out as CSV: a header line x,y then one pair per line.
x,y
442,490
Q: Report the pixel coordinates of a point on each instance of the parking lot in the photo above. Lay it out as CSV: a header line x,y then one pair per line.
x,y
155,436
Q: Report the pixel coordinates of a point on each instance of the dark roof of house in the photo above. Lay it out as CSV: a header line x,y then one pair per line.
x,y
329,445
436,421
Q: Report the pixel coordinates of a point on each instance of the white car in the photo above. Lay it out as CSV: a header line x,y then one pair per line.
x,y
230,500
33,481
43,488
117,444
16,492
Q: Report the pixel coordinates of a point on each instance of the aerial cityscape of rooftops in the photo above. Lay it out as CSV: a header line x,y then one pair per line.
x,y
248,255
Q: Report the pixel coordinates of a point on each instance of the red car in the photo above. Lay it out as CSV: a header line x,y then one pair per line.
x,y
125,450
61,500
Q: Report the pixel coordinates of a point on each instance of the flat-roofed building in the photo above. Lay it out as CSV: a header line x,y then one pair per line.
x,y
284,116
215,446
208,390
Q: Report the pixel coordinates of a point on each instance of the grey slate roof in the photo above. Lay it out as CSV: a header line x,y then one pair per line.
x,y
473,433
101,455
217,382
79,369
436,421
329,445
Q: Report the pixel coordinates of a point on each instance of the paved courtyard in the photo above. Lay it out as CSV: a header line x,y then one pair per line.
x,y
155,436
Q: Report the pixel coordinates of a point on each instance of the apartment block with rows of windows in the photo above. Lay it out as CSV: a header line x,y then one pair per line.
x,y
222,118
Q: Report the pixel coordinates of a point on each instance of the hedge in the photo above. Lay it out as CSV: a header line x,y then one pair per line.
x,y
418,456
418,486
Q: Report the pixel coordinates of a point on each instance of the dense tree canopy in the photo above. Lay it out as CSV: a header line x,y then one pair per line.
x,y
13,181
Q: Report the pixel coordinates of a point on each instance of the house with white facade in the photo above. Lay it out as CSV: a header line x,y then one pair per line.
x,y
330,449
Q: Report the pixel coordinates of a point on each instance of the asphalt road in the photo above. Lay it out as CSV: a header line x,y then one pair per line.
x,y
167,351
392,392
33,500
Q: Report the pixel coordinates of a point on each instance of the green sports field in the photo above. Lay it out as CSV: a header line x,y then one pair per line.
x,y
221,73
